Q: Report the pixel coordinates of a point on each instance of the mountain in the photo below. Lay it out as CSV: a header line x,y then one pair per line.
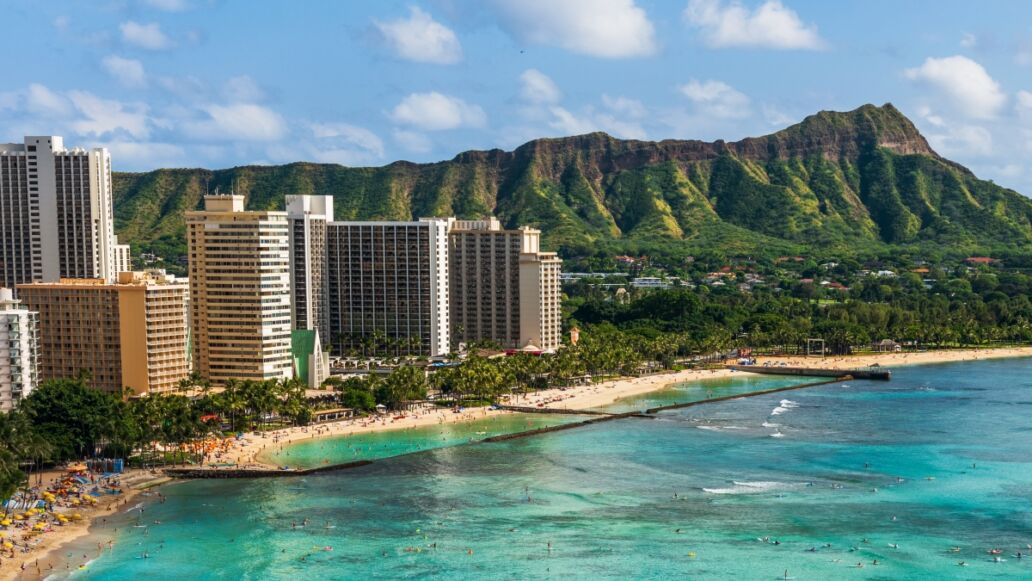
x,y
863,179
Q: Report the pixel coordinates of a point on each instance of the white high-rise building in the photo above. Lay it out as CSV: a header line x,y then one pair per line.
x,y
388,287
123,261
307,217
239,265
56,218
19,350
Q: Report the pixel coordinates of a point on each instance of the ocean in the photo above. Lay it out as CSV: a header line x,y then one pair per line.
x,y
807,484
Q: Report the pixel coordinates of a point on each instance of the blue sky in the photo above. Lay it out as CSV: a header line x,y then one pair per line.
x,y
217,83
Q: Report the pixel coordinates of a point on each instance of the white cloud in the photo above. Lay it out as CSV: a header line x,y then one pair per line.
x,y
420,38
968,40
8,100
345,144
128,72
103,116
962,140
771,25
238,122
964,82
775,116
412,141
242,89
567,123
43,101
601,28
168,5
537,87
632,108
434,111
716,99
61,22
146,155
148,36
1024,100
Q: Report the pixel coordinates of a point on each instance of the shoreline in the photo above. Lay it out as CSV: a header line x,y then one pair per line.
x,y
46,552
250,451
253,451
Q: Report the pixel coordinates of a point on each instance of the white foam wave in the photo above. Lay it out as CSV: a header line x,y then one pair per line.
x,y
770,425
783,406
777,435
747,487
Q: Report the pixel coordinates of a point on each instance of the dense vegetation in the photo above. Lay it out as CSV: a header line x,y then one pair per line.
x,y
858,182
979,307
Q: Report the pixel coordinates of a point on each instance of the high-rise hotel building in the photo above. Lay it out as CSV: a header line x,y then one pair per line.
x,y
307,217
131,334
55,212
19,350
239,270
503,288
388,282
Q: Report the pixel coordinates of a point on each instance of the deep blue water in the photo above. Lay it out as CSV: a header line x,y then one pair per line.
x,y
939,457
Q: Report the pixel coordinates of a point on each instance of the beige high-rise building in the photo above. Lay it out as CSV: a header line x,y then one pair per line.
x,y
56,218
503,288
130,335
239,270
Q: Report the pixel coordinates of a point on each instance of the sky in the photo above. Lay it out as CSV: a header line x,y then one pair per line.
x,y
220,83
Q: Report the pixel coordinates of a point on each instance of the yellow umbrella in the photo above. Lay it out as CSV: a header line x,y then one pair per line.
x,y
8,546
6,522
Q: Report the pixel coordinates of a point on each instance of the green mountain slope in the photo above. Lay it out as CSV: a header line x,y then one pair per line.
x,y
838,181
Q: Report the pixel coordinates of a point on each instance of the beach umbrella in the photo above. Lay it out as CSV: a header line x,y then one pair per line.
x,y
6,522
8,546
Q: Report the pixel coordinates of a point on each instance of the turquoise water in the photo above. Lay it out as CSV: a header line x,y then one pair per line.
x,y
376,445
939,457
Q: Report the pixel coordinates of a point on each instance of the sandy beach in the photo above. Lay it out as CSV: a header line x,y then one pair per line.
x,y
47,552
249,450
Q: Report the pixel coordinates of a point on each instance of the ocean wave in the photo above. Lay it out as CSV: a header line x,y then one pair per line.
x,y
770,425
746,487
777,435
783,406
711,428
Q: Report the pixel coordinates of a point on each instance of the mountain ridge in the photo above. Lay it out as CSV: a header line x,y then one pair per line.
x,y
836,179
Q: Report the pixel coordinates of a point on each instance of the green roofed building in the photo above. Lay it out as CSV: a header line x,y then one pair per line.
x,y
311,363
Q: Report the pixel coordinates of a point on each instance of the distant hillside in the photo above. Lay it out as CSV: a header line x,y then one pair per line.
x,y
839,181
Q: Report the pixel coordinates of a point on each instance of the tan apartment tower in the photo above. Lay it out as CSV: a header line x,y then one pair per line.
x,y
56,218
239,270
503,288
130,335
